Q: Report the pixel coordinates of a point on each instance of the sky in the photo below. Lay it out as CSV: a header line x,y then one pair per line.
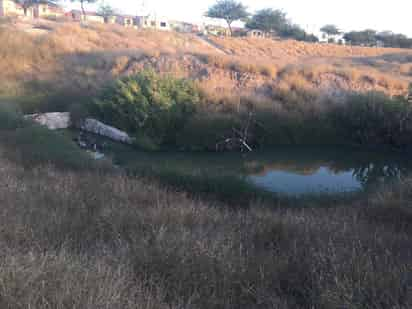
x,y
348,15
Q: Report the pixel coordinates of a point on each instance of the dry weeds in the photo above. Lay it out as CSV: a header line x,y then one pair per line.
x,y
89,240
80,59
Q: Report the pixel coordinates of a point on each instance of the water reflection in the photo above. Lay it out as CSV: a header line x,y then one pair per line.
x,y
299,171
293,170
321,181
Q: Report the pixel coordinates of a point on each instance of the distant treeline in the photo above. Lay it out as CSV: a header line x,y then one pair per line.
x,y
373,38
277,22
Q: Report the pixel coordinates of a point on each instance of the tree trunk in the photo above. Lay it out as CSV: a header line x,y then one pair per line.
x,y
83,11
229,23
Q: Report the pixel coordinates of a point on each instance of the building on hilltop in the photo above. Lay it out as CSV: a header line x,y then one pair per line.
x,y
152,22
47,10
77,15
260,34
11,8
216,30
125,20
110,19
184,27
42,9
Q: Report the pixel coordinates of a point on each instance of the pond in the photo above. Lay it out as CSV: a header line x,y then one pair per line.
x,y
285,170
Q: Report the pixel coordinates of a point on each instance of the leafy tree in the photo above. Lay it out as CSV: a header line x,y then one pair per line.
x,y
106,10
391,39
82,2
27,3
330,31
364,38
229,10
269,20
276,21
370,37
149,106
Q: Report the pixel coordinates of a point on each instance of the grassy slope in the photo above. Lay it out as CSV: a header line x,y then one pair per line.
x,y
70,61
88,240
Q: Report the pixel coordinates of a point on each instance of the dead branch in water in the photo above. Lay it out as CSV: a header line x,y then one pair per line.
x,y
241,138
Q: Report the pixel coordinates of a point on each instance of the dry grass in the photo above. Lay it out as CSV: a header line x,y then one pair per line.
x,y
239,65
292,50
343,78
89,240
74,61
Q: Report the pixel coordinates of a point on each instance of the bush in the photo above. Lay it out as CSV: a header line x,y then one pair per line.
x,y
149,105
375,119
204,132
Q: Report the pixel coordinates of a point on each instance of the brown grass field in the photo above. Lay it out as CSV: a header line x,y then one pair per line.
x,y
92,240
68,57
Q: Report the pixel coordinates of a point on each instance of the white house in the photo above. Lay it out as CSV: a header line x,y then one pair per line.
x,y
77,15
125,20
181,26
152,22
37,10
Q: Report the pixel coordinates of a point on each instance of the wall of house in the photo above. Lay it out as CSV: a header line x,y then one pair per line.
x,y
29,12
217,31
147,22
95,18
44,10
110,20
256,34
163,24
1,9
10,8
125,21
41,10
78,16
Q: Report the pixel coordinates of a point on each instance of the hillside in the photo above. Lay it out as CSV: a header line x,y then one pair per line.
x,y
68,58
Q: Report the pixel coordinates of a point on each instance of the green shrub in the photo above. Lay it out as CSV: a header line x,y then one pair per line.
x,y
149,105
375,119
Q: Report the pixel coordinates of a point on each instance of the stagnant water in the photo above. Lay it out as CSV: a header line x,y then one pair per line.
x,y
287,170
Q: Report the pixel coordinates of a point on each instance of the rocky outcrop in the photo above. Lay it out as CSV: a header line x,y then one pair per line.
x,y
53,121
94,126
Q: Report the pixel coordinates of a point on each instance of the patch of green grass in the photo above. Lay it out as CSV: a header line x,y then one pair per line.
x,y
30,144
10,117
34,145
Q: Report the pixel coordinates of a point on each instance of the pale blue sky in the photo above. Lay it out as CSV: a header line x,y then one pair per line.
x,y
381,15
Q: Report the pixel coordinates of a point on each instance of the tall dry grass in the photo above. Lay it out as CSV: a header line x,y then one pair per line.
x,y
292,50
88,240
71,62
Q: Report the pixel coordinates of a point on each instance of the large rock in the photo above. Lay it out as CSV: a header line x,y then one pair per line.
x,y
99,128
53,121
